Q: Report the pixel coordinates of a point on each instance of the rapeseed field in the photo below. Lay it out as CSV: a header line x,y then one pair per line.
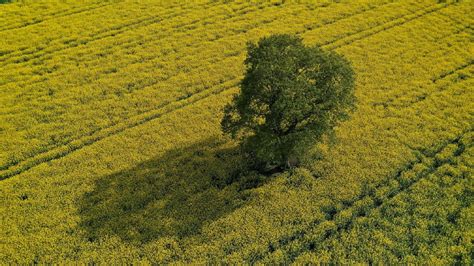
x,y
111,149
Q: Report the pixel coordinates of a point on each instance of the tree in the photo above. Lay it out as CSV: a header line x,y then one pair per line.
x,y
291,96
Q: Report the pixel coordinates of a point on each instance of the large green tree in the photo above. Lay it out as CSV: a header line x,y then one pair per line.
x,y
290,97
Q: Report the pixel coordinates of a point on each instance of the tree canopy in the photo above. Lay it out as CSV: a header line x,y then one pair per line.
x,y
291,95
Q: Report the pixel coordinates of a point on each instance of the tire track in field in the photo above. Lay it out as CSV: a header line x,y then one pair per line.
x,y
310,28
452,33
136,43
415,99
264,22
237,31
128,45
210,60
438,88
386,26
467,28
6,166
29,82
453,71
22,57
112,32
27,50
418,98
240,52
403,186
320,6
455,20
66,149
17,172
55,16
20,25
362,10
463,27
363,205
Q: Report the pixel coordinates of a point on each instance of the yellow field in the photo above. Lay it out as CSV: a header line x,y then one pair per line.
x,y
111,149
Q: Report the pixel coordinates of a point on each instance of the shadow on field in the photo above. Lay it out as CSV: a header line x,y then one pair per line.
x,y
171,195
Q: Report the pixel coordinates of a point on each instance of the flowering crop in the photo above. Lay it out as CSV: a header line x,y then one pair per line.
x,y
111,151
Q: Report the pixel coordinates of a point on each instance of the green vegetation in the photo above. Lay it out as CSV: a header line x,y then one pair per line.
x,y
290,97
111,147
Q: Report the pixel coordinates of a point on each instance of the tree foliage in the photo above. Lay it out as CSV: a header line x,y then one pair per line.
x,y
290,97
112,121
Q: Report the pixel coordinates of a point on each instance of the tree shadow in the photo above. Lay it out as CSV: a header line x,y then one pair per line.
x,y
172,195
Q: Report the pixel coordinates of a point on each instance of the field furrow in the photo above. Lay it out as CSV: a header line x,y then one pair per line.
x,y
440,170
366,203
164,37
55,15
111,147
63,44
357,36
133,121
144,86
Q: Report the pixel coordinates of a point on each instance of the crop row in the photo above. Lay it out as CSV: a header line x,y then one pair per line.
x,y
144,67
311,237
412,207
16,171
64,42
68,11
150,39
442,82
394,23
444,114
161,39
371,145
431,119
185,60
448,73
112,130
209,82
426,222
